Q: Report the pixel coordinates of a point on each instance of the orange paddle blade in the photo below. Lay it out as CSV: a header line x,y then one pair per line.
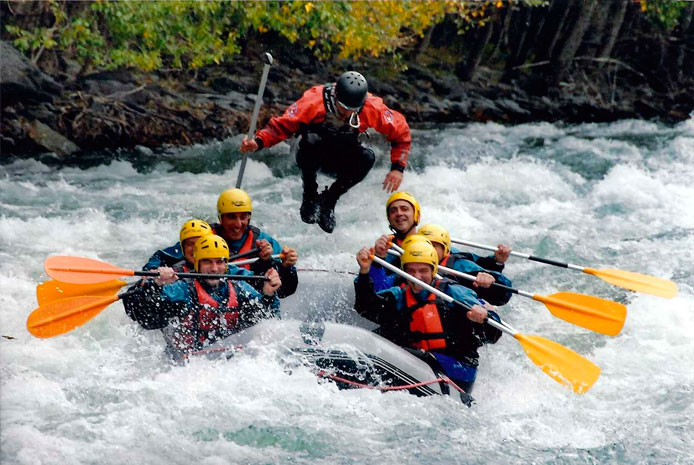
x,y
636,281
52,290
590,312
81,270
64,315
560,363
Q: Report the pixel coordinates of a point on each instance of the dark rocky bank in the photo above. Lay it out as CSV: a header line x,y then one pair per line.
x,y
54,109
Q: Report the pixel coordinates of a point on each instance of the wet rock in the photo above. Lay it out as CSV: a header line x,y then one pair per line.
x,y
44,112
107,87
21,80
50,140
120,75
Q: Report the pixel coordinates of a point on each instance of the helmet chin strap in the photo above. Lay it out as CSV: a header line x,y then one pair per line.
x,y
354,120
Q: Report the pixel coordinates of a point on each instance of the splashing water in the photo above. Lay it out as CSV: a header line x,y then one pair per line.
x,y
614,195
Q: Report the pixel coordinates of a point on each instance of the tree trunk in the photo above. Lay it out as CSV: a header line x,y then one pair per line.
x,y
613,29
565,52
424,45
685,24
552,28
530,22
466,70
503,19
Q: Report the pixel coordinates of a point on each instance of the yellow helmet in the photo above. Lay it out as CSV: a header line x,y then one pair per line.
x,y
407,197
414,238
210,246
234,201
420,251
194,228
438,234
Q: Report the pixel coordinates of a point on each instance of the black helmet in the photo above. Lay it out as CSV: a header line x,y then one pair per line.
x,y
351,89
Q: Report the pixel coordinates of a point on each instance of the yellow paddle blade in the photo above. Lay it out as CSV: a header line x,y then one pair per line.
x,y
560,363
80,270
49,291
636,281
64,315
587,311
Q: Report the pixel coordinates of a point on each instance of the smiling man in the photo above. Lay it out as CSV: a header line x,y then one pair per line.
x,y
235,209
403,214
412,317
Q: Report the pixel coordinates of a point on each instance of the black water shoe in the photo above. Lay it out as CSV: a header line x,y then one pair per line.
x,y
326,218
309,209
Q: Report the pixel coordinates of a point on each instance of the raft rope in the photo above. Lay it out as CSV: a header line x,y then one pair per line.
x,y
333,377
443,379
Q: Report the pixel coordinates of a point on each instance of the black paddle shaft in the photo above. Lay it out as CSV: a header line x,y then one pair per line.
x,y
248,253
237,277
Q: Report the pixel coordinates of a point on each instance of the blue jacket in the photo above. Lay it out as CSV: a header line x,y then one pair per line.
x,y
169,256
493,295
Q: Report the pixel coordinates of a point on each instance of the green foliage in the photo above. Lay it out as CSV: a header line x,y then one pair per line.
x,y
190,34
664,13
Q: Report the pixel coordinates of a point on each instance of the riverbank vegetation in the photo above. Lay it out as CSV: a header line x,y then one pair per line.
x,y
593,59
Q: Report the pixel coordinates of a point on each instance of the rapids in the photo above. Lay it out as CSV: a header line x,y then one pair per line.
x,y
616,195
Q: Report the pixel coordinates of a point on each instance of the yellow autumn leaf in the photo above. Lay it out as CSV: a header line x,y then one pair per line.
x,y
308,7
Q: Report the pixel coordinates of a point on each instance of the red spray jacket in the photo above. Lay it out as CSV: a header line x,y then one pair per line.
x,y
310,110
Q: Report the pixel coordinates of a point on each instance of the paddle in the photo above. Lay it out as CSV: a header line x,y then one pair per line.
x,y
60,316
587,311
558,362
626,279
267,58
81,270
247,253
253,260
52,290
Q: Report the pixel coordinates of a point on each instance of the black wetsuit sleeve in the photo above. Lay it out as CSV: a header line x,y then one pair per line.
x,y
379,308
382,309
489,333
290,281
146,306
490,263
261,266
252,310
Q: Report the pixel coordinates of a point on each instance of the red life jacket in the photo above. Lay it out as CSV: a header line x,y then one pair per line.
x,y
207,321
445,260
425,323
248,244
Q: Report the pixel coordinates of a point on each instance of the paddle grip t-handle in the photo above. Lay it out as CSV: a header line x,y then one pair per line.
x,y
267,59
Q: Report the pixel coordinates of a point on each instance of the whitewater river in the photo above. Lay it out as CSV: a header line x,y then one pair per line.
x,y
617,195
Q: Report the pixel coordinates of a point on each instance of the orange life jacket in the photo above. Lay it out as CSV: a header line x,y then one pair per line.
x,y
425,324
248,244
